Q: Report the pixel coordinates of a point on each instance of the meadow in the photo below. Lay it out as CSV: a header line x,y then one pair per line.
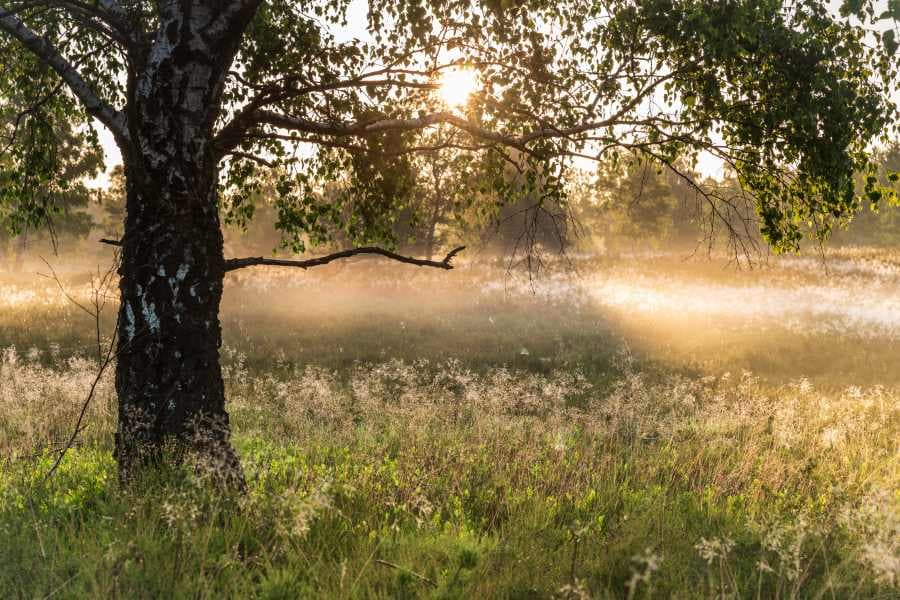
x,y
620,426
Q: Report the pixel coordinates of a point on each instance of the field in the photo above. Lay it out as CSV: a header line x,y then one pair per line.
x,y
634,426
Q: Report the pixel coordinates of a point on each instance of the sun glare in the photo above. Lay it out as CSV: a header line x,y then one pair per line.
x,y
457,86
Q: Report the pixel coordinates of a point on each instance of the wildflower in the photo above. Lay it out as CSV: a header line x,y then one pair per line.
x,y
714,548
576,590
644,566
763,567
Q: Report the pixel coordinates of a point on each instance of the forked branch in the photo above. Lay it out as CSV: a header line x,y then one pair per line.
x,y
240,263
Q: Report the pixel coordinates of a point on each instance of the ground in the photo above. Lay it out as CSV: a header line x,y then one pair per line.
x,y
623,426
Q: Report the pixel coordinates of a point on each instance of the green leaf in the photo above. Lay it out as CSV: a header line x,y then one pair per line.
x,y
889,41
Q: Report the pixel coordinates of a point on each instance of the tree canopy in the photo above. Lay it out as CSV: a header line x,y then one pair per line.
x,y
791,96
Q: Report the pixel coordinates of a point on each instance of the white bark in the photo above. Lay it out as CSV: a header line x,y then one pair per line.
x,y
44,50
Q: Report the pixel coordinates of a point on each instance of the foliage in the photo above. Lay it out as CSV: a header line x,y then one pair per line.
x,y
45,155
790,95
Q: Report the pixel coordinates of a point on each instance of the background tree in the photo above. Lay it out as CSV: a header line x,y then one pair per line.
x,y
204,97
878,221
444,193
632,202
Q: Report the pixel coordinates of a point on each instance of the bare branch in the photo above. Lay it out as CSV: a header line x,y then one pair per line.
x,y
240,263
110,25
107,360
103,360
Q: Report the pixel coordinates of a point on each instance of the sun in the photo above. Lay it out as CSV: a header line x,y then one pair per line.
x,y
457,85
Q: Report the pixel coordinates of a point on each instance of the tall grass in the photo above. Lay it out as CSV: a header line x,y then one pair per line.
x,y
475,445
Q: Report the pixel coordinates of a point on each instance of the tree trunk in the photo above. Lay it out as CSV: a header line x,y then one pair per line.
x,y
429,241
20,249
168,376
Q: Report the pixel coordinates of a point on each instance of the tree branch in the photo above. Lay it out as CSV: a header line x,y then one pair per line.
x,y
252,157
232,19
371,127
240,263
255,114
44,50
127,35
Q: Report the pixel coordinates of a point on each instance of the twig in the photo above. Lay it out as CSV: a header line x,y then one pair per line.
x,y
99,286
61,586
418,576
62,289
106,362
99,302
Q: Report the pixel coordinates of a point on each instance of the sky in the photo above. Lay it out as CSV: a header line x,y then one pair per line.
x,y
708,165
357,17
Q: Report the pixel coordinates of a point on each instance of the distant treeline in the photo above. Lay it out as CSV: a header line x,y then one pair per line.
x,y
624,204
640,204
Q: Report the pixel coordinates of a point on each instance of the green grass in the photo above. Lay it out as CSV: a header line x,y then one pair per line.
x,y
398,444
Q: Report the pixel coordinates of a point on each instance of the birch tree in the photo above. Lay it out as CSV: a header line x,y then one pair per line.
x,y
203,97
